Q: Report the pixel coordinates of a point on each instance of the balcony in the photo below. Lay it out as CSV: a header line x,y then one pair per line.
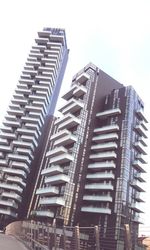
x,y
53,170
83,77
137,197
139,177
42,213
68,121
7,203
137,185
3,141
141,139
102,165
5,148
64,158
27,132
103,156
19,158
136,207
11,187
17,180
3,162
99,186
29,139
106,129
141,115
139,128
72,106
8,212
8,135
109,112
96,210
137,219
66,140
76,90
100,176
16,172
20,165
56,151
53,201
103,198
23,144
139,146
104,146
105,137
57,179
12,124
11,195
47,191
141,159
138,165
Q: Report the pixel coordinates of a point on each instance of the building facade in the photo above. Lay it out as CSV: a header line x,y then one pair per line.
x,y
92,173
24,128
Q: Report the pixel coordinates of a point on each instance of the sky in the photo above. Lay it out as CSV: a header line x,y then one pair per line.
x,y
114,35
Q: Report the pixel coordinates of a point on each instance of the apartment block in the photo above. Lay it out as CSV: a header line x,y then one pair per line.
x,y
94,165
25,124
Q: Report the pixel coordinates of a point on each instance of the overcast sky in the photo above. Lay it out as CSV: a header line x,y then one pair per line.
x,y
114,35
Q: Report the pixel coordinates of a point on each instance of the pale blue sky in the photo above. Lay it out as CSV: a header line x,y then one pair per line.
x,y
114,35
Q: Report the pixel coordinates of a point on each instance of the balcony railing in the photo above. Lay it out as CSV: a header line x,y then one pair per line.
x,y
109,112
99,210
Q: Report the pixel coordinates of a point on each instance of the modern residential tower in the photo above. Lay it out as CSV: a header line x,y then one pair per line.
x,y
92,173
26,121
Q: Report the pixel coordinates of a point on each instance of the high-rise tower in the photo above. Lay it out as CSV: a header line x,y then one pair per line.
x,y
25,123
95,159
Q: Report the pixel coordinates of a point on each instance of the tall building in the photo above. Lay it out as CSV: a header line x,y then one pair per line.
x,y
92,173
24,128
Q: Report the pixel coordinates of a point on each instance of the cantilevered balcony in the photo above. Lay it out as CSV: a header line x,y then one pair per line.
x,y
8,135
100,176
136,207
56,151
52,201
68,121
12,123
105,198
139,177
17,157
142,140
23,144
71,106
3,141
7,203
65,140
20,165
137,164
47,191
141,115
139,146
8,212
11,195
76,90
137,185
105,137
43,213
102,165
53,170
83,77
137,197
109,112
140,157
57,179
139,128
11,187
3,162
99,186
16,172
106,129
5,148
103,156
64,158
137,219
17,180
104,146
97,210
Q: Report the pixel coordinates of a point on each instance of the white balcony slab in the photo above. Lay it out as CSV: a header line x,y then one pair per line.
x,y
103,156
53,170
57,179
105,198
106,129
64,158
99,186
47,191
56,151
42,213
109,112
98,176
104,146
99,210
8,212
52,201
102,165
139,146
105,137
